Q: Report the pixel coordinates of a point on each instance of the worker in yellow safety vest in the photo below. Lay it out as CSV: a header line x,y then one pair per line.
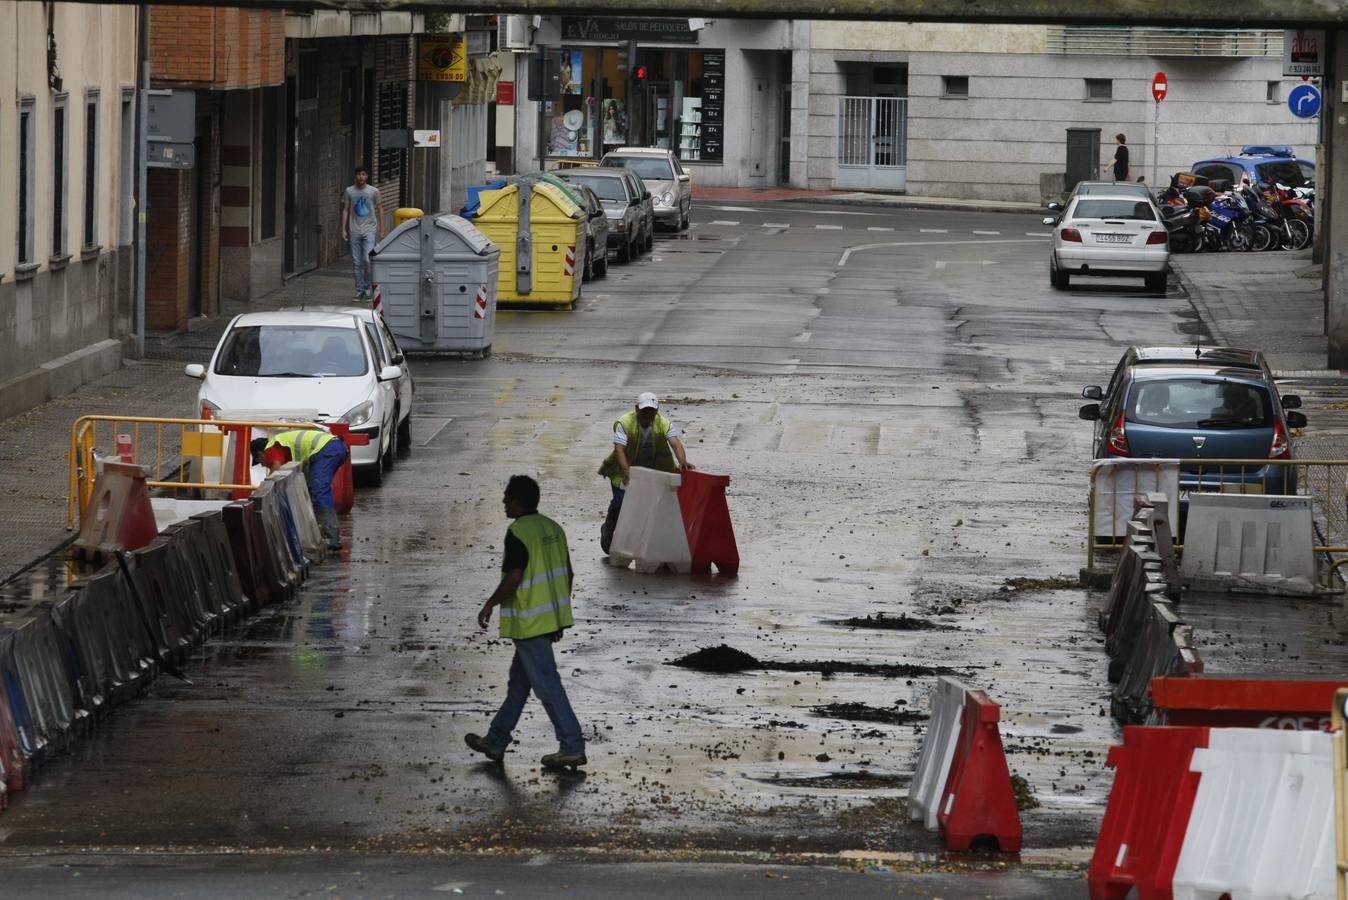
x,y
641,437
321,454
534,595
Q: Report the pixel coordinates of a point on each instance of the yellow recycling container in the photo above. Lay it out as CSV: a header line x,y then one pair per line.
x,y
403,213
545,264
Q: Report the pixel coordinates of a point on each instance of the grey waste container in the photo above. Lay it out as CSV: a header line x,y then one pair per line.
x,y
436,280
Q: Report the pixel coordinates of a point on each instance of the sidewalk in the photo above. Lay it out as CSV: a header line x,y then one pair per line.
x,y
35,445
856,198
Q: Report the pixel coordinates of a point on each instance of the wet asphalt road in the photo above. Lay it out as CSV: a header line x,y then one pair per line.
x,y
899,424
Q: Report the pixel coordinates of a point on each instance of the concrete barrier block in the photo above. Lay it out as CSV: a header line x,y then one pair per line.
x,y
1254,541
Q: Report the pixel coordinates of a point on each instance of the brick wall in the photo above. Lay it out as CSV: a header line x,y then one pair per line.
x,y
219,48
167,249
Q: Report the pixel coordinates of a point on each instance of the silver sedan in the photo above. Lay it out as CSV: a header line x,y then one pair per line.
x,y
1109,235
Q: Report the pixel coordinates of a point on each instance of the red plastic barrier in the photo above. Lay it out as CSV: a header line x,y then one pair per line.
x,y
706,519
118,515
343,493
1224,701
1148,812
978,801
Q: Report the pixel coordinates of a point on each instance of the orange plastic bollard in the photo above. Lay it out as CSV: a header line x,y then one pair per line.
x,y
706,519
978,801
1148,812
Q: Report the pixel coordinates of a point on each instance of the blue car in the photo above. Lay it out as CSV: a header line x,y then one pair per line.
x,y
1261,164
1172,403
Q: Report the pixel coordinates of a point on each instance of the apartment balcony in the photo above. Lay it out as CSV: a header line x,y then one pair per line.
x,y
1123,40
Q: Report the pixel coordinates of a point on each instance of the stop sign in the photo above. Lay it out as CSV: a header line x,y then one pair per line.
x,y
1159,86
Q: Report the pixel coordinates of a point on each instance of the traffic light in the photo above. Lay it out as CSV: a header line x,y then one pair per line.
x,y
639,74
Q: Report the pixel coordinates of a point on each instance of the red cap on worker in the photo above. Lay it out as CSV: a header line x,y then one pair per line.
x,y
648,401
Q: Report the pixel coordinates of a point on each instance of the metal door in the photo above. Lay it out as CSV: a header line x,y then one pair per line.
x,y
872,143
306,226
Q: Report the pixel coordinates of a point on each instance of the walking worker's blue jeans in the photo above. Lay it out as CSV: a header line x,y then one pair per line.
x,y
534,668
361,245
616,504
322,469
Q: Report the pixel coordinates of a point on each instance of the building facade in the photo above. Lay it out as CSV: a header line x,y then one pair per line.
x,y
715,92
981,112
67,101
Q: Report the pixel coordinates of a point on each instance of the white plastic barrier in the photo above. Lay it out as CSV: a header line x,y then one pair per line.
x,y
170,510
938,748
1119,484
290,478
1262,826
650,527
1263,541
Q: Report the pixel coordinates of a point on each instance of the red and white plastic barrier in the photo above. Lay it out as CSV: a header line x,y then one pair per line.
x,y
975,802
1200,813
1289,704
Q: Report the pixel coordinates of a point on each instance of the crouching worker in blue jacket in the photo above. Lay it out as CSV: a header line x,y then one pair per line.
x,y
321,454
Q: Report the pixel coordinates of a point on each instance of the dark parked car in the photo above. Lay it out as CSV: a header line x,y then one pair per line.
x,y
639,188
1163,404
622,206
596,235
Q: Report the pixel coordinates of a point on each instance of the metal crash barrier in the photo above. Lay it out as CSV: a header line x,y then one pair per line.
x,y
178,454
1118,486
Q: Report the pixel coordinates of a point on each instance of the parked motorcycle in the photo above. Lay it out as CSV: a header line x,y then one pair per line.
x,y
1297,213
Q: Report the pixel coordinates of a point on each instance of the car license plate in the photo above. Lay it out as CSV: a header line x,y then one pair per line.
x,y
1114,238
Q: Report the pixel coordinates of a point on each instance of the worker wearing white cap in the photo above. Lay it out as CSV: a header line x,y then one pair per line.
x,y
641,437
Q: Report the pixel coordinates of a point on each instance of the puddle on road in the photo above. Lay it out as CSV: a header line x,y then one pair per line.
x,y
725,659
840,781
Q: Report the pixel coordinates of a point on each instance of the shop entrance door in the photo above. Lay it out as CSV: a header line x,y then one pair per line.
x,y
662,114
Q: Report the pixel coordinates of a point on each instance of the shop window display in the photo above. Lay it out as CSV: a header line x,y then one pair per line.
x,y
678,107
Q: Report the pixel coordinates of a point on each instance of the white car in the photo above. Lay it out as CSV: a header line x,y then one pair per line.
x,y
670,186
1110,235
330,364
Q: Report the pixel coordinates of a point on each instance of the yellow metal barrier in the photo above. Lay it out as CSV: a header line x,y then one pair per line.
x,y
1337,716
164,447
1323,480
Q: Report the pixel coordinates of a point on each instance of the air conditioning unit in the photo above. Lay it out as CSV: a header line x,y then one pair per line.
x,y
514,33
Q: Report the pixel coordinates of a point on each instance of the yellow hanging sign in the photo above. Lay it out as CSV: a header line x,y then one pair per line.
x,y
442,58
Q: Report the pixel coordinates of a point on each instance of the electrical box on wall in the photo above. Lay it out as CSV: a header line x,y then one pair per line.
x,y
545,77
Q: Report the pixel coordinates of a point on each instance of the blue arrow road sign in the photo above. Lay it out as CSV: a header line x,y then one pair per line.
x,y
1304,101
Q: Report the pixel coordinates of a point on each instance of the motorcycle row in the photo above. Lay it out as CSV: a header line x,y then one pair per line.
x,y
1221,216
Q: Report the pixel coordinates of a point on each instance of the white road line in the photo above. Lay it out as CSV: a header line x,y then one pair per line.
x,y
828,228
939,265
723,222
802,338
976,231
842,260
934,230
776,225
879,228
1039,234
